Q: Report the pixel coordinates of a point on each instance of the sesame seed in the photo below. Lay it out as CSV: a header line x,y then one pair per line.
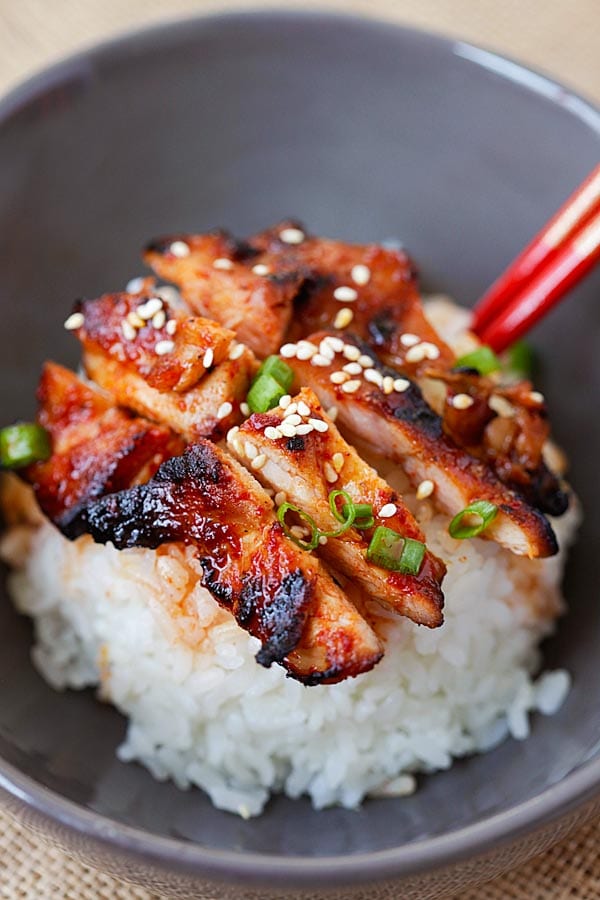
x,y
298,531
280,497
171,326
291,236
159,319
374,377
388,384
401,385
387,511
353,368
258,461
287,429
326,350
128,330
294,419
343,319
285,401
351,352
222,263
303,408
319,425
338,377
501,406
149,308
304,428
425,489
224,410
250,450
288,351
305,350
336,343
260,269
237,446
290,409
244,409
536,396
338,461
350,387
273,434
232,432
409,340
360,274
345,294
332,413
135,320
164,347
431,351
208,358
179,249
319,360
74,321
415,354
365,361
461,401
169,294
330,474
135,285
236,350
322,539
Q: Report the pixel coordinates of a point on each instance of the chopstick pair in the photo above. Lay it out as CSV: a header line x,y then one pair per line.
x,y
556,259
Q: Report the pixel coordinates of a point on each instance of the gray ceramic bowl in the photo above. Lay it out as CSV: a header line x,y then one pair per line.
x,y
365,130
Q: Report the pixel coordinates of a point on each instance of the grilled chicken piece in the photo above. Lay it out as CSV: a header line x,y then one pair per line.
x,y
276,591
97,448
306,467
218,278
182,370
388,413
372,291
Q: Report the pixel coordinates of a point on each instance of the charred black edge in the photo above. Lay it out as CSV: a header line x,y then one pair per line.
x,y
333,674
545,542
284,617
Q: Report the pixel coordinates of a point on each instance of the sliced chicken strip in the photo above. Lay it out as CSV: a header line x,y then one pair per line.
x,y
276,591
306,467
388,413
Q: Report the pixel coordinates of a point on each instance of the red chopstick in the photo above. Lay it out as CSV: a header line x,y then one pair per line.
x,y
559,256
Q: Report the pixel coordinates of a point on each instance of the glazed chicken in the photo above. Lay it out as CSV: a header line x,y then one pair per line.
x,y
278,592
284,279
305,467
184,371
387,412
97,448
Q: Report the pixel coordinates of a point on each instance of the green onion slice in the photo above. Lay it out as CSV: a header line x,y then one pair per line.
x,y
265,393
346,515
481,511
390,550
521,359
315,534
23,444
483,359
279,370
363,515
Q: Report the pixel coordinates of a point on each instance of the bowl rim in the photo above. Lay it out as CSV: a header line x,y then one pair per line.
x,y
429,853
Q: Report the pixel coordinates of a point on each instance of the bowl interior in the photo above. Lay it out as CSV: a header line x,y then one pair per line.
x,y
366,132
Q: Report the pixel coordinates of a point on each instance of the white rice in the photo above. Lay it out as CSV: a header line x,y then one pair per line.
x,y
203,712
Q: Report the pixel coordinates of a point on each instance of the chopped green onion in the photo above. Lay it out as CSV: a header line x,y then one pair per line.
x,y
521,359
390,550
23,444
346,516
483,359
483,512
279,370
363,515
264,394
315,534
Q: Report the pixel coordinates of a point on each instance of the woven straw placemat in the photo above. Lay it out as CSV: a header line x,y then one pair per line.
x,y
558,36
